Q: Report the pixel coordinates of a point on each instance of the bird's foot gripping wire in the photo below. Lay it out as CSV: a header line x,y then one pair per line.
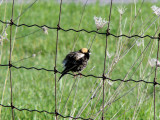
x,y
78,74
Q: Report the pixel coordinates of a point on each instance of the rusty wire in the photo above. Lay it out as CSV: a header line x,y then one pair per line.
x,y
89,75
10,60
81,30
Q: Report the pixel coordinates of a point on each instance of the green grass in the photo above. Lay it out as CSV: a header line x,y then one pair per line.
x,y
34,89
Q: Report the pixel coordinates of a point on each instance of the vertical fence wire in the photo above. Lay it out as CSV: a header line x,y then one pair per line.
x,y
10,59
107,33
155,83
58,28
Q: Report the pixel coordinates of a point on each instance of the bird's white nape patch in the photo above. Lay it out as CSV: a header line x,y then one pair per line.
x,y
80,55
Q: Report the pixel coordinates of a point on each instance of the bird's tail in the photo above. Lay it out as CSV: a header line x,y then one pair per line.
x,y
61,76
66,70
63,73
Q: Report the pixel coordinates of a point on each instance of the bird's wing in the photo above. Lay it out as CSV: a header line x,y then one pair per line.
x,y
68,67
72,58
71,61
68,58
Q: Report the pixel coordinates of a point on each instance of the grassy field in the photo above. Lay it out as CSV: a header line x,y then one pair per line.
x,y
34,89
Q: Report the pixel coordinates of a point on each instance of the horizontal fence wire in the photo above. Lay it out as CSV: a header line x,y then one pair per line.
x,y
81,30
90,75
44,111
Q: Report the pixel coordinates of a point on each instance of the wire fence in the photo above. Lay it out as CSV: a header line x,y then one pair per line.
x,y
55,71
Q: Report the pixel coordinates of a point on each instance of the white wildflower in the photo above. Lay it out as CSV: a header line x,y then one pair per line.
x,y
156,10
45,30
99,22
34,55
109,54
140,42
121,10
5,34
153,61
8,21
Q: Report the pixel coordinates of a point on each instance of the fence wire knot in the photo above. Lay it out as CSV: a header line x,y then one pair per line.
x,y
56,113
158,36
11,22
10,65
102,118
55,70
12,106
104,77
108,33
58,27
155,83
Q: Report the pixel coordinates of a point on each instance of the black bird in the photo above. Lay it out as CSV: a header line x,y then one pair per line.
x,y
75,61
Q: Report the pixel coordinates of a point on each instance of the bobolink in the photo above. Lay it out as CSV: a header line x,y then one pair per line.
x,y
75,61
